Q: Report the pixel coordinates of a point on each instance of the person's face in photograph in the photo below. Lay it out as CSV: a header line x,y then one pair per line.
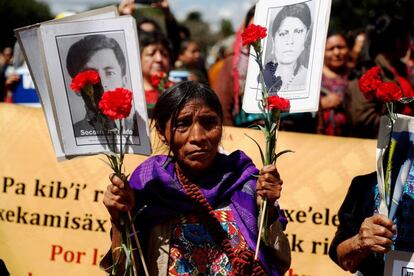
x,y
110,72
336,52
289,40
154,58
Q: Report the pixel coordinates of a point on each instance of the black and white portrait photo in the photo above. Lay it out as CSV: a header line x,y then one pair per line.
x,y
110,48
287,50
293,53
105,54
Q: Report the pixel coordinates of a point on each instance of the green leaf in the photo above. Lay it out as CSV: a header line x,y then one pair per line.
x,y
281,153
254,126
260,149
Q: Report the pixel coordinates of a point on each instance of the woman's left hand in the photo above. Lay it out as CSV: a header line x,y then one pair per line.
x,y
269,184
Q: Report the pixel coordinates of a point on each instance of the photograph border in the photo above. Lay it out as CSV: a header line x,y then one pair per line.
x,y
28,39
139,143
306,100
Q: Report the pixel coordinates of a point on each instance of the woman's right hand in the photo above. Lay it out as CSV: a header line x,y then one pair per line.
x,y
376,234
118,198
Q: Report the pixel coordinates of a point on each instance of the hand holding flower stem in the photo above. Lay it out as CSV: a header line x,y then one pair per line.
x,y
388,92
115,105
270,107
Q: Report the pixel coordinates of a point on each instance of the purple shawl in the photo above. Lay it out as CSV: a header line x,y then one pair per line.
x,y
231,179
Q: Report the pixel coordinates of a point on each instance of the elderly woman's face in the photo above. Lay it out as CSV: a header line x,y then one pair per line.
x,y
289,40
197,134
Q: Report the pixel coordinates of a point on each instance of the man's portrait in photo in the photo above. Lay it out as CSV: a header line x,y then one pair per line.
x,y
105,54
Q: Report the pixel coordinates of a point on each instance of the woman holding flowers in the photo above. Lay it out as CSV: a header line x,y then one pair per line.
x,y
387,42
155,64
196,209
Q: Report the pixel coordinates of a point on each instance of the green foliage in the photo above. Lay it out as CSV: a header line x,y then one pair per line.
x,y
194,16
226,28
19,13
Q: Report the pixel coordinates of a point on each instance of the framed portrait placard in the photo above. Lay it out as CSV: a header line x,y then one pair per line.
x,y
28,39
107,45
293,53
399,263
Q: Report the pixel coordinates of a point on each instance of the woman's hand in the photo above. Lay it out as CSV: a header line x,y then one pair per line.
x,y
118,198
269,184
375,235
331,100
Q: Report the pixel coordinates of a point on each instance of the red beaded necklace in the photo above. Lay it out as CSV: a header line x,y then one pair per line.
x,y
242,259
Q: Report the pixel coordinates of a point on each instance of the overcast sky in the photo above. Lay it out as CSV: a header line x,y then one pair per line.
x,y
212,10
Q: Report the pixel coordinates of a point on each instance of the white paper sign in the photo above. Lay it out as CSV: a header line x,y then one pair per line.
x,y
293,53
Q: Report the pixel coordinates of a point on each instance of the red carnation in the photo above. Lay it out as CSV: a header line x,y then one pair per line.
x,y
84,78
253,33
370,81
157,78
116,104
388,92
279,103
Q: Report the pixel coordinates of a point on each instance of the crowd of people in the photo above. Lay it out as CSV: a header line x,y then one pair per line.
x,y
343,110
196,200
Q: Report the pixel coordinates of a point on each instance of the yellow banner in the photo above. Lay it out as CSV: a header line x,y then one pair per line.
x,y
53,222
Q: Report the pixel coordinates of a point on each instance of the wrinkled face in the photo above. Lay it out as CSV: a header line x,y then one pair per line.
x,y
336,52
197,134
191,55
106,64
154,58
289,40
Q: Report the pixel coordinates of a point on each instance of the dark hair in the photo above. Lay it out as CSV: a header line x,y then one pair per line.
x,y
384,33
172,101
184,45
148,38
381,37
336,33
249,16
300,11
184,32
81,51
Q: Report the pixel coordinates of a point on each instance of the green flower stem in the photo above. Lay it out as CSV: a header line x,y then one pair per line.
x,y
263,205
269,132
138,245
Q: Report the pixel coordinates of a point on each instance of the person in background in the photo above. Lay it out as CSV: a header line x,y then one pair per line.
x,y
174,31
369,226
331,115
155,58
189,59
357,41
387,41
195,209
409,61
231,80
6,82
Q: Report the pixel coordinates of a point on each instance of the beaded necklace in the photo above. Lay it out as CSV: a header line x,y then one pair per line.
x,y
242,260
